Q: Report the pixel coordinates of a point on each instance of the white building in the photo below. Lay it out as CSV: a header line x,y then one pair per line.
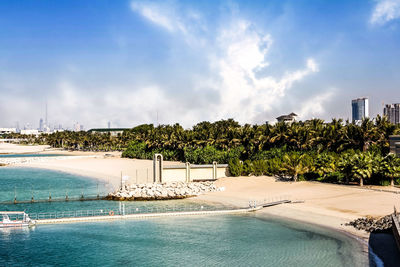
x,y
78,127
30,132
287,118
7,130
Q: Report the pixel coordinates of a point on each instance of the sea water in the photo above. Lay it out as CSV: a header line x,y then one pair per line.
x,y
226,240
25,183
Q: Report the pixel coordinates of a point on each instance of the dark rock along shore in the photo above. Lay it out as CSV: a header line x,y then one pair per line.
x,y
370,224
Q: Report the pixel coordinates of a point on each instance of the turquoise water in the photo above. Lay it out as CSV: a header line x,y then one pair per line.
x,y
231,240
25,182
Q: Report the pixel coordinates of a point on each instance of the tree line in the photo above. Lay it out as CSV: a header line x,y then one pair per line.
x,y
311,149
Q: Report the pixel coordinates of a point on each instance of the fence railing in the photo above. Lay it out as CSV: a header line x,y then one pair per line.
x,y
124,211
69,193
85,197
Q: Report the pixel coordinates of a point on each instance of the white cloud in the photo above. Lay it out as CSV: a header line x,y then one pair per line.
x,y
385,11
162,15
243,94
235,56
235,79
315,106
167,15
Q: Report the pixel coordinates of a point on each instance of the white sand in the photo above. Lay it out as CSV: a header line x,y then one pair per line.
x,y
6,148
324,204
108,167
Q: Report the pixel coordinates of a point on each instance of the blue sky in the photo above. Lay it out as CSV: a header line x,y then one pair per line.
x,y
189,61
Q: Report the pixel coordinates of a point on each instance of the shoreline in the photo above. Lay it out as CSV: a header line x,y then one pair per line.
x,y
325,205
106,169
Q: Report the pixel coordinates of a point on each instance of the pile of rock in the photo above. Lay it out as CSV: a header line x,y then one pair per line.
x,y
157,191
370,224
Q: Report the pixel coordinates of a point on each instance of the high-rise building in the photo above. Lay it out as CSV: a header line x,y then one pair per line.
x,y
109,124
78,127
360,109
392,112
46,122
41,126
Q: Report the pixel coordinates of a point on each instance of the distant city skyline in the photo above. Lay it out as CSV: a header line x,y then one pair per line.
x,y
190,61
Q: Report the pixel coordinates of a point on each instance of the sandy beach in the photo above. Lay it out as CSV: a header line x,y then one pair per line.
x,y
324,204
106,166
328,205
6,148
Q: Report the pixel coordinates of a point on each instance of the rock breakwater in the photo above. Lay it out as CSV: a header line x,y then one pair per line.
x,y
162,191
370,224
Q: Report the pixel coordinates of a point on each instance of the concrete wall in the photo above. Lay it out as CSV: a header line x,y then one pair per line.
x,y
201,173
222,172
396,229
174,175
188,173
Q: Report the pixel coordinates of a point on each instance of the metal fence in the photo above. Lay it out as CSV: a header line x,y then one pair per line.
x,y
124,211
56,199
69,193
140,176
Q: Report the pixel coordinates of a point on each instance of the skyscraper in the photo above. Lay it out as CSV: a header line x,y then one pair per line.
x,y
41,127
392,112
46,122
77,127
360,109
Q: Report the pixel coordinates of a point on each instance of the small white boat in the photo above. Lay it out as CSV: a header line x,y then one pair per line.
x,y
21,219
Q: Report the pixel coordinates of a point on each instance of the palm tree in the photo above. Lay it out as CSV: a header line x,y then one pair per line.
x,y
362,166
295,164
390,167
325,164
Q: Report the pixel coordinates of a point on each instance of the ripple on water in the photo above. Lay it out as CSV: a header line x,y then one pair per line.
x,y
181,241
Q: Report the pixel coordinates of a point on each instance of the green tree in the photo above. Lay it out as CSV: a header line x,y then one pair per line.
x,y
390,167
235,167
362,166
295,164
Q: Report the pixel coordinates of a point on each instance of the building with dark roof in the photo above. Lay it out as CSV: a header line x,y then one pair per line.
x,y
287,118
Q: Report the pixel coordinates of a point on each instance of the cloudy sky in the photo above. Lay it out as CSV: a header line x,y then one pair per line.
x,y
189,61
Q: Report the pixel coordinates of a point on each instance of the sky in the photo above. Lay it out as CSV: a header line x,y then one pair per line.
x,y
135,62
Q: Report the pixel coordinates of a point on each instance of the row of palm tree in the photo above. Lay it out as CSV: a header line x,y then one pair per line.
x,y
297,149
350,166
312,135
